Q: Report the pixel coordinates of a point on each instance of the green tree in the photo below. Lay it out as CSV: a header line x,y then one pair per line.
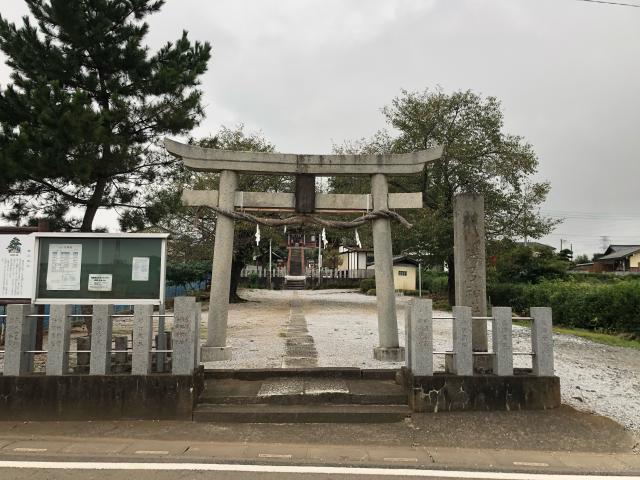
x,y
332,259
582,258
516,263
193,230
478,157
87,104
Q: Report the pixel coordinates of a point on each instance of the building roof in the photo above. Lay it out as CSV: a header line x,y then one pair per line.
x,y
535,245
400,259
356,249
616,252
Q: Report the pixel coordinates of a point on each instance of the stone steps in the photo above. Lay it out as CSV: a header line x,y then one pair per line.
x,y
313,395
351,373
265,413
294,284
298,392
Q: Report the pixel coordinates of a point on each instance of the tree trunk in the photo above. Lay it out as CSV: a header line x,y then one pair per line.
x,y
92,206
451,280
236,270
87,226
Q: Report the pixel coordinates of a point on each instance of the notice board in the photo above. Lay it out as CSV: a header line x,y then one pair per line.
x,y
100,268
16,266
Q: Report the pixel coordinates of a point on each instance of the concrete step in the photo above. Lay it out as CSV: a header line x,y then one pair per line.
x,y
294,284
303,391
265,413
353,373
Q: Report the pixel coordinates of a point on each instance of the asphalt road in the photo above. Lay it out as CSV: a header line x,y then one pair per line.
x,y
171,471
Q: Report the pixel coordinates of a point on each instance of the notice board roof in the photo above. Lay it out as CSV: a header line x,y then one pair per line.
x,y
100,235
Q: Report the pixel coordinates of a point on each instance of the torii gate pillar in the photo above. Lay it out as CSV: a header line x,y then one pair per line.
x,y
389,349
216,347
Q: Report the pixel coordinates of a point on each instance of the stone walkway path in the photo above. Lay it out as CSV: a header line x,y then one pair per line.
x,y
300,349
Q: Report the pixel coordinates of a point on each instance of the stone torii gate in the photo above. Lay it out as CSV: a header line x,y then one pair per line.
x,y
303,204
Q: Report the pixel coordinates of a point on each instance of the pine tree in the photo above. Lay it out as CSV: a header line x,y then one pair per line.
x,y
15,245
87,106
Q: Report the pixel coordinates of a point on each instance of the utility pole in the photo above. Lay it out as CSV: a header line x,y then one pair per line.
x,y
270,285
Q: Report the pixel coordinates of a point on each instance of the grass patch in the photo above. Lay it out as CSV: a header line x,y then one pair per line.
x,y
596,337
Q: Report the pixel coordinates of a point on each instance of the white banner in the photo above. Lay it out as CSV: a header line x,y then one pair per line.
x,y
16,266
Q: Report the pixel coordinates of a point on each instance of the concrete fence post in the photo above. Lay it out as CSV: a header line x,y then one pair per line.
x,y
462,350
197,306
58,340
407,334
502,338
20,336
100,363
542,341
183,337
422,337
142,339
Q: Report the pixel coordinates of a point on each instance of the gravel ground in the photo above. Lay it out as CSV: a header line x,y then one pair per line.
x,y
596,378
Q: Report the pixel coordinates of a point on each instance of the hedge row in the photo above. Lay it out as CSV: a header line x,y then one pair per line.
x,y
610,307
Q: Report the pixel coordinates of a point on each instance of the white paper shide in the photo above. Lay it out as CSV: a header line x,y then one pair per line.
x,y
100,282
140,269
65,263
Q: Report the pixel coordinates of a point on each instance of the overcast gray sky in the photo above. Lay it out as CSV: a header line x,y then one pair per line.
x,y
309,73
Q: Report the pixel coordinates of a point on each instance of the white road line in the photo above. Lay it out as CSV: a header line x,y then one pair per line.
x,y
400,459
385,472
27,449
273,455
152,452
531,464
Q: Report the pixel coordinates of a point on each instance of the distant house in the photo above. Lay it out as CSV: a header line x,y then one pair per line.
x,y
354,258
618,258
405,272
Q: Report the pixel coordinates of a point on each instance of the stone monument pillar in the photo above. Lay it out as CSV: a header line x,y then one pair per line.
x,y
216,347
389,348
470,266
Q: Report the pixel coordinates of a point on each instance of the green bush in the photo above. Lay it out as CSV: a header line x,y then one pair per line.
x,y
612,306
371,292
367,284
435,282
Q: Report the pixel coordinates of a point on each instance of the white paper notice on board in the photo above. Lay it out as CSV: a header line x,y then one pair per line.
x,y
16,266
63,270
140,269
100,282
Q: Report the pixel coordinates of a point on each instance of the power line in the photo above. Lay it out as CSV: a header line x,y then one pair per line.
x,y
618,4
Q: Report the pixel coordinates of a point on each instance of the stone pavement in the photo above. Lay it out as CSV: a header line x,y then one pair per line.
x,y
300,350
561,440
